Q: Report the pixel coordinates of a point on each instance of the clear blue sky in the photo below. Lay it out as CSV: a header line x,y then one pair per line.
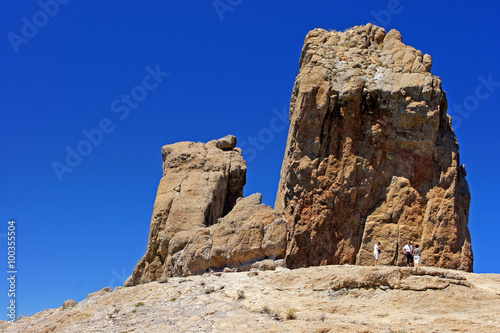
x,y
66,76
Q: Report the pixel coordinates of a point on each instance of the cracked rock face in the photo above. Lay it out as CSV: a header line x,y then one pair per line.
x,y
371,156
200,219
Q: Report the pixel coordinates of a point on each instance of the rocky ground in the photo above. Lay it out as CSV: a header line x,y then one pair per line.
x,y
315,299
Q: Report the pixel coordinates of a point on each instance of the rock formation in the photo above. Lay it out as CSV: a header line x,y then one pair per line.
x,y
200,219
371,156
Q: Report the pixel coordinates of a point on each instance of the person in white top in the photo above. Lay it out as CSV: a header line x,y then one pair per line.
x,y
408,251
417,252
376,252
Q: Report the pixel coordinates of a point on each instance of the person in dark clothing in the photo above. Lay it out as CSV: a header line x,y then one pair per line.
x,y
408,251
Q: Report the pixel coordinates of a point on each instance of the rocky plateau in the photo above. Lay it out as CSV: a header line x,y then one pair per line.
x,y
337,298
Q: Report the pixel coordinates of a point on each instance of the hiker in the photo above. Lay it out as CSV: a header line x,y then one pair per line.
x,y
376,252
408,251
416,255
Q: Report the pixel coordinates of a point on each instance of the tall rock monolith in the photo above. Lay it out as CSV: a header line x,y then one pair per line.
x,y
371,156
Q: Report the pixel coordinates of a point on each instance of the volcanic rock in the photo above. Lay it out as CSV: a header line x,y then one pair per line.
x,y
68,304
200,220
371,156
227,142
250,232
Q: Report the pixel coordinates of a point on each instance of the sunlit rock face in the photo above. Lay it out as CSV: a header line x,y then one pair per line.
x,y
371,156
201,220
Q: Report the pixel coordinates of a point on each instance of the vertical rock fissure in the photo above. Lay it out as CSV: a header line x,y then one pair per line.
x,y
228,204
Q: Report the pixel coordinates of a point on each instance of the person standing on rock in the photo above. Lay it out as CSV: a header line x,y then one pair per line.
x,y
416,255
408,251
376,252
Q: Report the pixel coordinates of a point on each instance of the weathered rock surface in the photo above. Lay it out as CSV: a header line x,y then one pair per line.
x,y
250,232
68,304
200,220
227,142
325,299
100,292
371,156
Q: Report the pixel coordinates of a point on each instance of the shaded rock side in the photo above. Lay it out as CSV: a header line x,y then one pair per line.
x,y
194,226
371,156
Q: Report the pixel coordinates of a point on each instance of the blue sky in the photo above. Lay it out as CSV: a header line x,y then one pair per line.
x,y
192,71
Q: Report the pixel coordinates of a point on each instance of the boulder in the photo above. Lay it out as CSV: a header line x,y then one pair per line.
x,y
226,143
68,304
268,264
